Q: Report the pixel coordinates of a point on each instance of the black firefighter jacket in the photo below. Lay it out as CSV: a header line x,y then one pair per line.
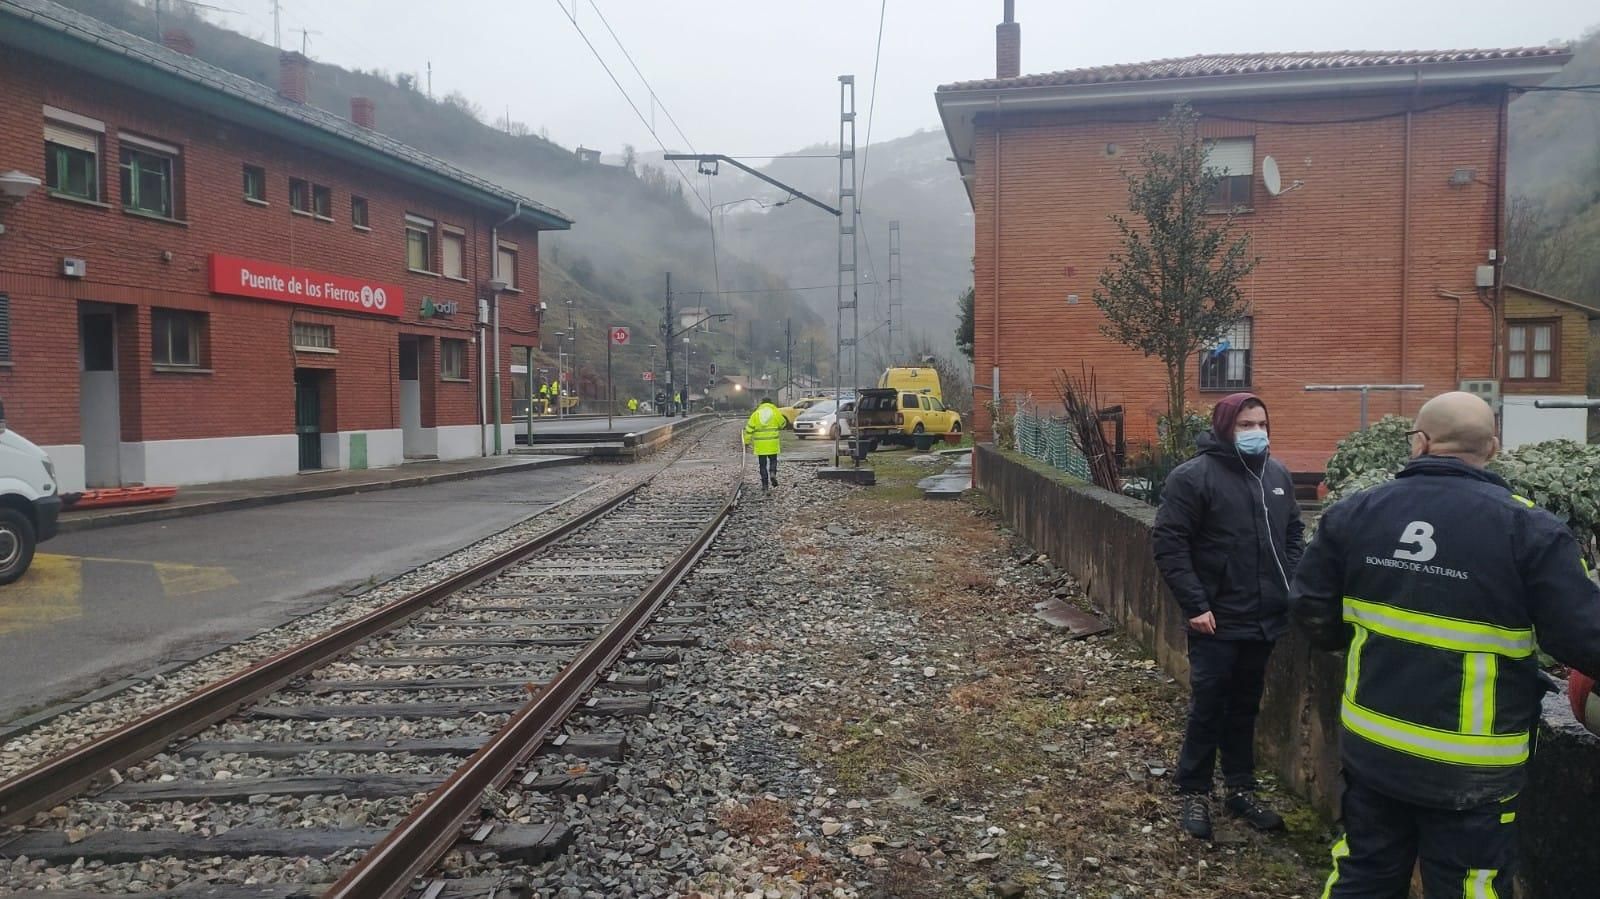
x,y
1437,585
1227,538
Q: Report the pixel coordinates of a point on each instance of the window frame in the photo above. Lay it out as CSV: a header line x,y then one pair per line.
x,y
1528,326
362,222
448,346
1222,200
429,232
446,235
161,337
302,187
5,329
322,202
56,154
1209,364
506,248
259,198
133,172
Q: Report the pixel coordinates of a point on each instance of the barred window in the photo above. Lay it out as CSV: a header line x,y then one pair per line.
x,y
313,337
5,328
1226,366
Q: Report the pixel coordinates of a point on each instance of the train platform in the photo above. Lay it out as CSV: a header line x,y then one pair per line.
x,y
627,438
203,499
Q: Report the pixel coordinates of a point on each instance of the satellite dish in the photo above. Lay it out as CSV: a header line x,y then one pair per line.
x,y
1271,178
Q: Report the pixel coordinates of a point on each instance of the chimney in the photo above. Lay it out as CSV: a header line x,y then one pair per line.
x,y
364,112
294,71
1008,45
178,40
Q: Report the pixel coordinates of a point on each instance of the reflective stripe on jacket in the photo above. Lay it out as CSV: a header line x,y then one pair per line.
x,y
762,429
1435,585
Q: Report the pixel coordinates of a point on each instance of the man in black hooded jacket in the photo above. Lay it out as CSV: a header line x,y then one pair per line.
x,y
1226,539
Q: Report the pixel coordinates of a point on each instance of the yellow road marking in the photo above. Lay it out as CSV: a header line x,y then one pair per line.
x,y
51,591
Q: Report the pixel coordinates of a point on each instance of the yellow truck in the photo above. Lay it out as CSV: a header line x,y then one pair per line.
x,y
913,380
888,415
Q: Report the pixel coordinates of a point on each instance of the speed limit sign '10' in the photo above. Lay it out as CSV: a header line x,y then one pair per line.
x,y
619,335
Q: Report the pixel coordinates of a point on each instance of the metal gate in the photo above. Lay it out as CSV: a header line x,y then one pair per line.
x,y
308,420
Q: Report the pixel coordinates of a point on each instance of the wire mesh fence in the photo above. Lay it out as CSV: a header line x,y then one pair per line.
x,y
1047,437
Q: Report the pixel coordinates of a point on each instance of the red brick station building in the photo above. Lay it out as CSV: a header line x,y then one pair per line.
x,y
1381,245
209,280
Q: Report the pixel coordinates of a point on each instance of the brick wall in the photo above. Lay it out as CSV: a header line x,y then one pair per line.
x,y
1572,346
1327,295
140,263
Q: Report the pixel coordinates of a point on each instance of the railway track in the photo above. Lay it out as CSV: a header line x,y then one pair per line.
x,y
361,757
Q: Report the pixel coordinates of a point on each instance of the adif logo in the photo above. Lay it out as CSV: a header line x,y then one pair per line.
x,y
1420,535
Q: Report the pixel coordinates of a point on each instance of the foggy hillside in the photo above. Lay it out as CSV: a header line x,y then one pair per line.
x,y
909,179
632,226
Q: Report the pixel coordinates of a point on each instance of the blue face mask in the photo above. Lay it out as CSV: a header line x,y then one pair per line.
x,y
1251,443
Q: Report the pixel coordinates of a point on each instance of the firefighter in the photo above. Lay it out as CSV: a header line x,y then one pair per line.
x,y
761,435
1437,585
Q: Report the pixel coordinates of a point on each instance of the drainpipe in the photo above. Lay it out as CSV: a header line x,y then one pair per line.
x,y
1405,243
1456,297
1497,303
994,374
494,301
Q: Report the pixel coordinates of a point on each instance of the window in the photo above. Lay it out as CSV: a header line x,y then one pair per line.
x,y
935,405
255,184
452,245
909,401
452,359
72,161
508,264
147,180
313,337
1531,350
1233,158
1227,365
175,337
322,202
358,211
419,244
5,328
299,196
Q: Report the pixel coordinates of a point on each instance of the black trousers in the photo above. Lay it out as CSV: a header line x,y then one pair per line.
x,y
769,468
1226,678
1464,853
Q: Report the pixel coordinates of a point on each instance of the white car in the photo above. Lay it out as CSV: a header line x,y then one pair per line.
x,y
29,501
824,420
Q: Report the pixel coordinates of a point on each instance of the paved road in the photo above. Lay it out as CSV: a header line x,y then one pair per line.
x,y
102,604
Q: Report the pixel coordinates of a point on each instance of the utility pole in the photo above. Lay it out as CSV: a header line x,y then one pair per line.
x,y
277,24
894,283
430,79
666,339
788,358
847,249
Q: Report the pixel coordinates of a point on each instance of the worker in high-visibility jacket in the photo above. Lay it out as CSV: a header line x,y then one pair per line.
x,y
633,406
1437,585
761,433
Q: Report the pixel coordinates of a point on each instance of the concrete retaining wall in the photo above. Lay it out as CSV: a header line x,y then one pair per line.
x,y
1103,539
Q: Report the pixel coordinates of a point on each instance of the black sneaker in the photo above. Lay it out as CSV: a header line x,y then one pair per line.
x,y
1195,817
1245,805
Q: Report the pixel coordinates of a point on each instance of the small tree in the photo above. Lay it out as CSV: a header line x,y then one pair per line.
x,y
1173,288
965,329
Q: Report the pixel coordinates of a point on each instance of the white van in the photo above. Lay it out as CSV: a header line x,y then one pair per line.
x,y
29,503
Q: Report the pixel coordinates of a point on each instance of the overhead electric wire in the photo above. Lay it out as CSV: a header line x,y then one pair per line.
x,y
634,106
866,154
655,97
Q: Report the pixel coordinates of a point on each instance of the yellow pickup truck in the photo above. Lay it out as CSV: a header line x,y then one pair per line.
x,y
886,415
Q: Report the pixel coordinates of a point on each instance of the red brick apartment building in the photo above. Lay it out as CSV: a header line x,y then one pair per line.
x,y
212,280
1380,255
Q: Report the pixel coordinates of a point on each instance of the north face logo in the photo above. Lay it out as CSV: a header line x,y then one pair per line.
x,y
1420,535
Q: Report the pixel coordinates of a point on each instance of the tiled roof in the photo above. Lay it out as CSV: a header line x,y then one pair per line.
x,y
1208,65
94,32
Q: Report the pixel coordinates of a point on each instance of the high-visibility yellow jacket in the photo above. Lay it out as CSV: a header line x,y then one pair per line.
x,y
762,429
1436,585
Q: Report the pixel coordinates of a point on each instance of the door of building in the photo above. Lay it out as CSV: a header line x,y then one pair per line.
x,y
411,435
308,418
99,396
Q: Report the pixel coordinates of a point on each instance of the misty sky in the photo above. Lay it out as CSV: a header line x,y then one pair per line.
x,y
753,77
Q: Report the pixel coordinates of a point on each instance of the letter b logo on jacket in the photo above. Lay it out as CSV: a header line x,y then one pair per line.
x,y
1420,535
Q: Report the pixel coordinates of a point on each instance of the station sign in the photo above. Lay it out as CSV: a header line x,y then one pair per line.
x,y
254,278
